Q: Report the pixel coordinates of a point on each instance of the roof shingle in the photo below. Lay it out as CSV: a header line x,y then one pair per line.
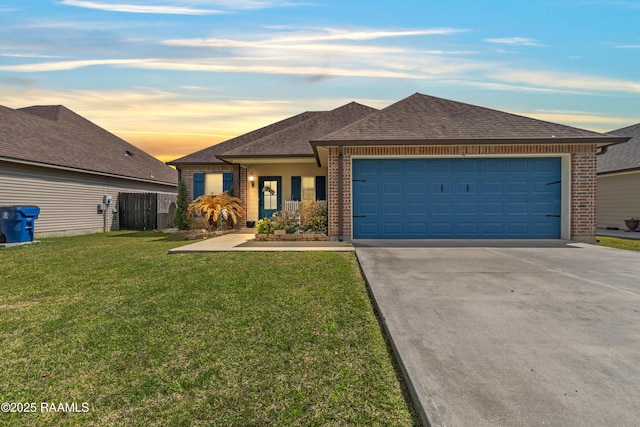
x,y
208,155
294,140
622,157
54,135
421,117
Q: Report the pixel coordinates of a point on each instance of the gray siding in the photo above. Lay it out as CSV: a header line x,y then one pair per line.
x,y
618,199
68,200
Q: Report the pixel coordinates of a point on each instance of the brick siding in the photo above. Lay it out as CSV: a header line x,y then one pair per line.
x,y
583,177
240,191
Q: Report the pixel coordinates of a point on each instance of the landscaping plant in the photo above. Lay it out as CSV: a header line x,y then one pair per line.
x,y
216,209
180,219
265,226
313,216
283,220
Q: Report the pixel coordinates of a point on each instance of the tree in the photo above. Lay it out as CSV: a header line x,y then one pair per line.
x,y
216,209
180,219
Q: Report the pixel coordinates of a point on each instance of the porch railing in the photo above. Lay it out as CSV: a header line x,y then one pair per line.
x,y
291,206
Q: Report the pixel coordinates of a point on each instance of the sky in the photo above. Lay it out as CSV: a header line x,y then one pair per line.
x,y
176,76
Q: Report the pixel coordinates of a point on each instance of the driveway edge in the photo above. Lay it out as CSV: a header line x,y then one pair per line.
x,y
415,401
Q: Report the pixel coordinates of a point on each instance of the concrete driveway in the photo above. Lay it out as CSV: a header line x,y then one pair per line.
x,y
512,333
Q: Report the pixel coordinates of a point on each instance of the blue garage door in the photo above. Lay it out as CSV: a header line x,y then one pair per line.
x,y
472,198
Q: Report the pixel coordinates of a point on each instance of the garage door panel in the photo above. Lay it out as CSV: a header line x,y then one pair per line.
x,y
417,188
417,208
390,167
442,208
456,198
442,166
417,228
392,208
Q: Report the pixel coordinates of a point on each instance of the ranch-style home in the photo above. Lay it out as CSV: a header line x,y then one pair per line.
x,y
66,165
619,180
424,167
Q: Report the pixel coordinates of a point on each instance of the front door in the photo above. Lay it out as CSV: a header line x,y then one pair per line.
x,y
270,198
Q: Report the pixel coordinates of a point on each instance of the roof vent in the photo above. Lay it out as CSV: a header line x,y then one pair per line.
x,y
128,153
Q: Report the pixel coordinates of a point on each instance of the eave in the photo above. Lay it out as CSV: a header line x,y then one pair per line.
x,y
292,158
86,171
602,141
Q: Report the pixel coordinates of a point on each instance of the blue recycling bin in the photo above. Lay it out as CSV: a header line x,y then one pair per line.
x,y
17,223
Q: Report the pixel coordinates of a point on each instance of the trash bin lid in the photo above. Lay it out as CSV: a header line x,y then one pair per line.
x,y
27,210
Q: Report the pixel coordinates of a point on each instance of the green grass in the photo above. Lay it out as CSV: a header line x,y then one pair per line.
x,y
613,242
151,339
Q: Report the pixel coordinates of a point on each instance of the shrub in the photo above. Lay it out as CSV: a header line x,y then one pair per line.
x,y
283,220
265,226
180,219
313,216
216,209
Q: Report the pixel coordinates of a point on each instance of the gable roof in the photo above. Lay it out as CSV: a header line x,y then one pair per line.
x,y
55,136
622,157
209,154
427,119
294,140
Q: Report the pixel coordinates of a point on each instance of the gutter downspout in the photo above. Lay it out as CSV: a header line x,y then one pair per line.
x,y
340,195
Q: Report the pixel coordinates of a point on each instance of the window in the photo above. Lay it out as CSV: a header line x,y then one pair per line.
x,y
213,183
308,188
207,183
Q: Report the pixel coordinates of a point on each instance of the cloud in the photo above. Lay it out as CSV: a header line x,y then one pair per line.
x,y
585,119
514,41
560,80
629,46
65,65
133,8
325,34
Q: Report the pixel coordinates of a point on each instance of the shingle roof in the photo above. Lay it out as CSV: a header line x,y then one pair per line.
x,y
294,140
622,157
56,136
208,155
427,118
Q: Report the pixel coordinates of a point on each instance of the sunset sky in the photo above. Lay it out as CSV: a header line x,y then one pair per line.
x,y
175,76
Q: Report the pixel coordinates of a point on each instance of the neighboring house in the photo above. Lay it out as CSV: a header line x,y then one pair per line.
x,y
423,167
53,158
619,180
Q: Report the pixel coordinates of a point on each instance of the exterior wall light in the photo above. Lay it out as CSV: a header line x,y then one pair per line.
x,y
252,180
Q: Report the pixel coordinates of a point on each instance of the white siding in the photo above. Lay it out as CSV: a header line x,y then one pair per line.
x,y
618,199
68,201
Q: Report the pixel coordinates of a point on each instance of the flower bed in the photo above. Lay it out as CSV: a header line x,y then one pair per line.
x,y
304,237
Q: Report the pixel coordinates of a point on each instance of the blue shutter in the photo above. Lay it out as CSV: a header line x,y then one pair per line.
x,y
321,188
296,188
198,185
227,181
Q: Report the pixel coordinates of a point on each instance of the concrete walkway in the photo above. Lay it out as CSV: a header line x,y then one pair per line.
x,y
512,334
243,242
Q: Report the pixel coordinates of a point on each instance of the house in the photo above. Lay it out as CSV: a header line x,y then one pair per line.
x,y
424,167
619,180
57,160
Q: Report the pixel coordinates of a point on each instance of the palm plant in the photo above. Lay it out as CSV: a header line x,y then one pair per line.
x,y
217,210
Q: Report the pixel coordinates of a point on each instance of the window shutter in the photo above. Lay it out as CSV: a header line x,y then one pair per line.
x,y
296,188
198,185
227,181
321,188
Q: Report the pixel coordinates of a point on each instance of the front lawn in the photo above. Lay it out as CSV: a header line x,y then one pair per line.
x,y
135,337
613,242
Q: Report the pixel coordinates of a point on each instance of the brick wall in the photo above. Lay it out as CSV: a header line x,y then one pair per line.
x,y
240,190
187,172
583,196
583,177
